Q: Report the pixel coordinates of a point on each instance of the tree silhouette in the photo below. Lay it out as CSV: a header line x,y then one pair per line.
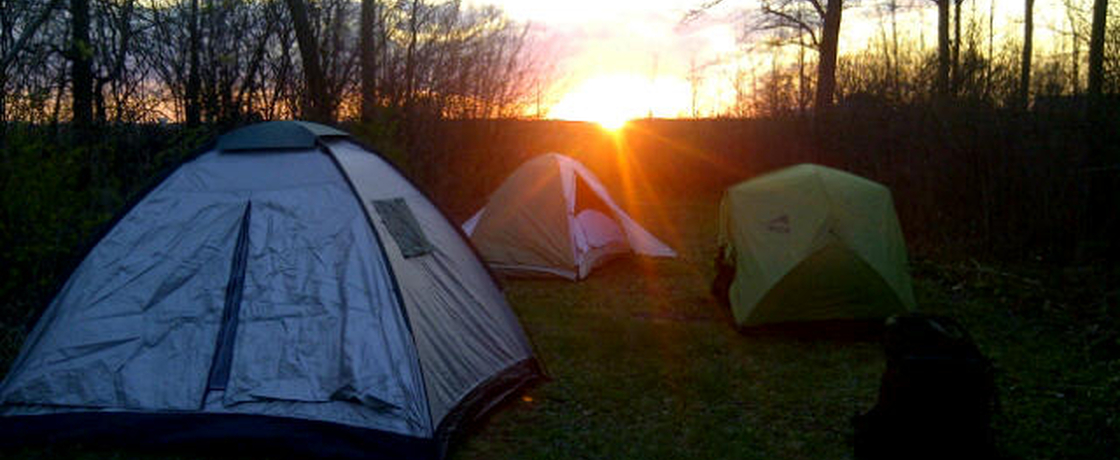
x,y
1025,67
315,105
790,20
81,66
1096,50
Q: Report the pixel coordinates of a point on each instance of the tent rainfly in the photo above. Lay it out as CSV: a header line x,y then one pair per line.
x,y
812,243
287,286
552,216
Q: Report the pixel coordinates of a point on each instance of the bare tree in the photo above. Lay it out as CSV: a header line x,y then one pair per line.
x,y
1025,68
221,62
941,82
826,68
694,80
314,105
11,46
1074,17
741,107
955,65
194,80
81,66
115,77
29,30
991,46
890,44
1110,77
213,60
792,19
1096,50
795,19
368,43
417,16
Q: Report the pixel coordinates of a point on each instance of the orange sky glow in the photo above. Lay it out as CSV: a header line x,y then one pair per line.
x,y
615,60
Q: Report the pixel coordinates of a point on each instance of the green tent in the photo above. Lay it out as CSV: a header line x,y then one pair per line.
x,y
812,243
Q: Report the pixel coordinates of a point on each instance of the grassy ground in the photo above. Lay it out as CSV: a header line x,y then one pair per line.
x,y
645,365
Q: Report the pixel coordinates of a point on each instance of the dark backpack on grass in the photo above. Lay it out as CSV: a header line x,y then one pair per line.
x,y
937,396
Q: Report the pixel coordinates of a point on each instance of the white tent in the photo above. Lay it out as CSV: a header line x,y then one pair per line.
x,y
553,216
287,285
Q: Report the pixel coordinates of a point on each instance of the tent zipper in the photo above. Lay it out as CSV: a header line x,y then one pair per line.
x,y
223,352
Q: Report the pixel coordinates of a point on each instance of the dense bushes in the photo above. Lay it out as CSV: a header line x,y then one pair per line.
x,y
56,193
967,180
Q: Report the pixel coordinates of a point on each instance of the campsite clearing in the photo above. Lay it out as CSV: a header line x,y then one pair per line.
x,y
645,365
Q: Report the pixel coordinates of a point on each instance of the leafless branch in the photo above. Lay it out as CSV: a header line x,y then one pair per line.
x,y
28,32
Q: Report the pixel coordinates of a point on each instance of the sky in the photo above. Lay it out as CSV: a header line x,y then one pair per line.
x,y
611,60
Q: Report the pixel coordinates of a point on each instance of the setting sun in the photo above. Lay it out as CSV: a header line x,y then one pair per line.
x,y
612,100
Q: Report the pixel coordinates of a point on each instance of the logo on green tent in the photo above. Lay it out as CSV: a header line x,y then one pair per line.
x,y
779,224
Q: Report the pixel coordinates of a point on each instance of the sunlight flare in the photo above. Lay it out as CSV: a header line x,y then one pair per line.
x,y
612,100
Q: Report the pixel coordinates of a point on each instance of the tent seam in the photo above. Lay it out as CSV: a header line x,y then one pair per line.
x,y
392,279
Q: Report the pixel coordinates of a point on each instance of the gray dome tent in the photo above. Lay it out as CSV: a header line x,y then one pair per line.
x,y
287,286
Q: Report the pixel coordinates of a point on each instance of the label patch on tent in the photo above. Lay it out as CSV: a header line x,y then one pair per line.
x,y
779,224
403,226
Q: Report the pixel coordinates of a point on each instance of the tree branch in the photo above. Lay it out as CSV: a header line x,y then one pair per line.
x,y
817,6
27,33
695,13
793,21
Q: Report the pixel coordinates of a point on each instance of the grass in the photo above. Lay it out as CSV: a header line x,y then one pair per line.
x,y
644,364
1054,337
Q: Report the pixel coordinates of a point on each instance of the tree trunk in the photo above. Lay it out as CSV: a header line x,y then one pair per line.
x,y
1024,96
1096,50
942,82
194,80
955,78
1101,188
895,77
802,92
991,50
826,69
116,74
367,42
1073,17
410,61
316,107
81,67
